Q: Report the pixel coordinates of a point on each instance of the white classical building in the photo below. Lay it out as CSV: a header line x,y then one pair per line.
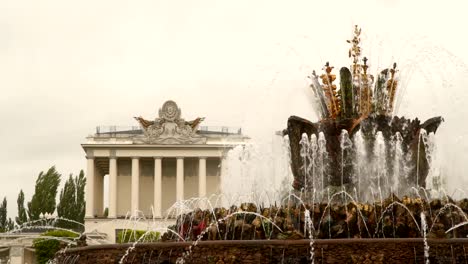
x,y
152,166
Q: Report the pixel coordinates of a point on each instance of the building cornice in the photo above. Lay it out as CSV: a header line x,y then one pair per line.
x,y
149,146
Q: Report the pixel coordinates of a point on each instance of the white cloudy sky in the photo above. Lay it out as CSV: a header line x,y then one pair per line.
x,y
67,66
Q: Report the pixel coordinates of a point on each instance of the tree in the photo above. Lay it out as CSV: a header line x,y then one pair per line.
x,y
3,215
67,204
22,216
71,204
10,225
43,200
80,183
6,224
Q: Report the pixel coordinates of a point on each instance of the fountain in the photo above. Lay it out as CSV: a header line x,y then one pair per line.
x,y
393,147
361,192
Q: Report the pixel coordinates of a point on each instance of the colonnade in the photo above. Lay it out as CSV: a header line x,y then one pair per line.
x,y
92,183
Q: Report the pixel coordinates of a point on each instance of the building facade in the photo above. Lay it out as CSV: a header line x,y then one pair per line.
x,y
17,248
150,167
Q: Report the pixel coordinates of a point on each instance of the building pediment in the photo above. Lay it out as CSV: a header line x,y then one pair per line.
x,y
170,128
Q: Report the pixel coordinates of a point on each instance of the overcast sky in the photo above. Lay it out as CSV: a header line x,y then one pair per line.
x,y
68,66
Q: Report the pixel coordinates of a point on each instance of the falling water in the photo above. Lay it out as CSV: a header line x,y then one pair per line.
x,y
398,161
346,146
313,160
380,161
424,233
309,226
386,168
422,135
257,172
305,156
360,159
434,178
322,160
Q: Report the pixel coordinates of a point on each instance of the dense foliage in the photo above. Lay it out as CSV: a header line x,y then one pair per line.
x,y
129,235
43,200
72,203
22,216
6,224
3,215
54,240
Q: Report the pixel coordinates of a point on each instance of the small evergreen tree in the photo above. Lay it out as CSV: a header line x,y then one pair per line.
x,y
22,216
43,200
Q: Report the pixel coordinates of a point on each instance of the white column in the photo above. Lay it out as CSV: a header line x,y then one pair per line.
x,y
157,187
180,179
16,254
202,177
90,188
98,193
135,185
112,187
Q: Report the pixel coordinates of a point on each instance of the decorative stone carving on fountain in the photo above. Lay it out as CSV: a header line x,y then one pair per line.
x,y
360,105
170,128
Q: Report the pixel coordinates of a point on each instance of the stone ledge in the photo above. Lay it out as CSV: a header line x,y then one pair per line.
x,y
396,250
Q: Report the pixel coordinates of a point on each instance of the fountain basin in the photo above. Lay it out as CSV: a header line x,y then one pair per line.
x,y
342,167
406,250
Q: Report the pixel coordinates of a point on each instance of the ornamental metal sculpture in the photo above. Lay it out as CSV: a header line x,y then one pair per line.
x,y
360,105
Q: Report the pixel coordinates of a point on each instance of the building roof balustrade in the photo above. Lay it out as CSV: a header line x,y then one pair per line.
x,y
125,131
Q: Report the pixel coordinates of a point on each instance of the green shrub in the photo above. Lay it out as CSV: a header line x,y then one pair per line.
x,y
47,247
129,235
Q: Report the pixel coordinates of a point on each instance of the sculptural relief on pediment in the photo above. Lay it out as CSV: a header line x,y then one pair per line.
x,y
170,128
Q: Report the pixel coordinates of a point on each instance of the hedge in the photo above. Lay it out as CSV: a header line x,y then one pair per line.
x,y
47,247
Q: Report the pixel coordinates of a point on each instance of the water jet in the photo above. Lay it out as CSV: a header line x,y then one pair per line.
x,y
360,178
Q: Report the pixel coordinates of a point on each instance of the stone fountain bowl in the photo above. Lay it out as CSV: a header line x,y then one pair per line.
x,y
332,128
409,250
394,237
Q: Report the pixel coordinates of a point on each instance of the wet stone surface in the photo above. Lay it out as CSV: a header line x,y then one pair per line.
x,y
277,251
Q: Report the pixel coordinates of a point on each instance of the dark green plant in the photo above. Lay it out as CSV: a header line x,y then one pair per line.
x,y
3,215
129,236
43,200
6,224
47,247
67,204
22,216
71,204
80,184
